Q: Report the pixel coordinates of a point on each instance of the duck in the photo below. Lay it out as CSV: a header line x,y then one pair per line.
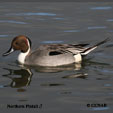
x,y
49,54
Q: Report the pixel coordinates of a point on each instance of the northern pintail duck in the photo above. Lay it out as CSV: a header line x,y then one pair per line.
x,y
51,54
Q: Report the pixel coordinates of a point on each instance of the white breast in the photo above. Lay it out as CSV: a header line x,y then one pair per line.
x,y
22,57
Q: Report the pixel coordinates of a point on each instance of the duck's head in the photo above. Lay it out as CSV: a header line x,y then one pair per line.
x,y
21,43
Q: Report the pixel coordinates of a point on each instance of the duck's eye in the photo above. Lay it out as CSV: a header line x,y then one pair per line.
x,y
16,43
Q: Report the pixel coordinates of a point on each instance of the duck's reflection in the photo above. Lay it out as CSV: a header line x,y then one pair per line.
x,y
77,75
56,69
20,78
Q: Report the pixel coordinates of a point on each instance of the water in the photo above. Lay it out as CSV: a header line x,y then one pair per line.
x,y
63,89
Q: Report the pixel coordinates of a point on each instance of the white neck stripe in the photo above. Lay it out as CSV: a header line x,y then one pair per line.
x,y
22,56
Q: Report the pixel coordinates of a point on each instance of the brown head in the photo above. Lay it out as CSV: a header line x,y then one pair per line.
x,y
21,43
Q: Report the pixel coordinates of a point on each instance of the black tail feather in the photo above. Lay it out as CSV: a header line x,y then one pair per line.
x,y
85,52
104,41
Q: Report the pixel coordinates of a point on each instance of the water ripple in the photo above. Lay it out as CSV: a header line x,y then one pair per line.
x,y
1,86
100,108
58,18
3,35
97,27
72,31
32,14
51,42
101,8
107,85
53,84
12,21
110,20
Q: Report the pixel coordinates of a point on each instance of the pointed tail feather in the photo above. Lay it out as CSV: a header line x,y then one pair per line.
x,y
88,50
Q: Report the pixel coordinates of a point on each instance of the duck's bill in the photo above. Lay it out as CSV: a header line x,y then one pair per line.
x,y
9,52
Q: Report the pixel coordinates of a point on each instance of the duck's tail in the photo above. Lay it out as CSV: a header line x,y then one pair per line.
x,y
88,50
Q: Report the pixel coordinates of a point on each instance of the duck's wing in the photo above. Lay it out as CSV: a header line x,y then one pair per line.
x,y
76,48
79,45
50,50
56,49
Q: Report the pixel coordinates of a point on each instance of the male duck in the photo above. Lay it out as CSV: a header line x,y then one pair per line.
x,y
51,54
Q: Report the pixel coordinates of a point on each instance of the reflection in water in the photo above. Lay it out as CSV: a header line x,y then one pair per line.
x,y
77,75
24,78
76,66
52,84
